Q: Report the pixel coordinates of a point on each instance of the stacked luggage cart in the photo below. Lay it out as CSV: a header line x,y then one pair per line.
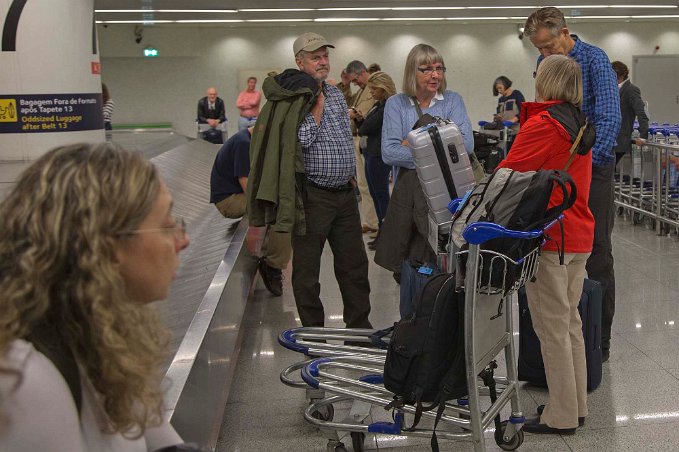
x,y
647,182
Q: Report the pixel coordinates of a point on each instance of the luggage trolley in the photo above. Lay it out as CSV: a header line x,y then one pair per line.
x,y
504,135
488,332
312,342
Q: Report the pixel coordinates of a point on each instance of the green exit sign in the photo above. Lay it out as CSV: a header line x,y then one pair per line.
x,y
150,52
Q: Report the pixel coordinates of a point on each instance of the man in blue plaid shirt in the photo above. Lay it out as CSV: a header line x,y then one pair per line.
x,y
330,205
546,28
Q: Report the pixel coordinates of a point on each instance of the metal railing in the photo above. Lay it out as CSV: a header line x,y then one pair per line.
x,y
647,180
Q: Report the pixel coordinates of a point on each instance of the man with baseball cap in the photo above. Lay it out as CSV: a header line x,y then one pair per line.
x,y
330,205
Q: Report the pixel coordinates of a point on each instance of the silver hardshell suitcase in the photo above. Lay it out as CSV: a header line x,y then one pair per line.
x,y
443,166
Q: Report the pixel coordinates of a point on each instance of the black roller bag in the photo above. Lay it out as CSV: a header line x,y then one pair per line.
x,y
531,367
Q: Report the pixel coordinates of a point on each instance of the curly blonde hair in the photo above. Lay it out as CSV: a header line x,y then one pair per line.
x,y
58,231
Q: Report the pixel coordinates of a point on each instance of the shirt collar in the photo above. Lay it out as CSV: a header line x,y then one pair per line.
x,y
577,48
622,83
437,98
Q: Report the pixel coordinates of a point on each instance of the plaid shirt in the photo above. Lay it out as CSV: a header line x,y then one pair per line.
x,y
600,98
329,158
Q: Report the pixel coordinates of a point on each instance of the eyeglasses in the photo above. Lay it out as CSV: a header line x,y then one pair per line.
x,y
429,70
179,229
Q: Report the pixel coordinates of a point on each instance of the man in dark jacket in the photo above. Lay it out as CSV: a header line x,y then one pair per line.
x,y
228,184
631,106
211,115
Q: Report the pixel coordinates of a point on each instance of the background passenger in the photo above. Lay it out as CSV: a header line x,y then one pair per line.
x,y
509,103
108,107
359,104
248,104
228,184
631,107
381,87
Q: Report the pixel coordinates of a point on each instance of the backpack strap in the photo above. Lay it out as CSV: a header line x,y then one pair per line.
x,y
569,196
434,440
376,338
575,145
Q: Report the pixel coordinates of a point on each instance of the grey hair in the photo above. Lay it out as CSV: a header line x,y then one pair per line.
x,y
559,78
420,54
550,17
355,67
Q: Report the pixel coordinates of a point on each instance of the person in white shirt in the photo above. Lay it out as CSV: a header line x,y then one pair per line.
x,y
87,241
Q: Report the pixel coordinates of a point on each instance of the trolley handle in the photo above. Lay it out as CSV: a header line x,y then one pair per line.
x,y
310,372
504,123
287,339
482,231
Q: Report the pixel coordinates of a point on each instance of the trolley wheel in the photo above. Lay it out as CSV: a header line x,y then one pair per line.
x,y
637,218
357,441
325,413
513,444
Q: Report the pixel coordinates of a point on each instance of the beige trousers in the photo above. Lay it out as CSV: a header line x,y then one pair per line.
x,y
278,244
553,302
367,206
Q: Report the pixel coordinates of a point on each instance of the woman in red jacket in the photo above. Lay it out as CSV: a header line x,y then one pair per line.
x,y
548,129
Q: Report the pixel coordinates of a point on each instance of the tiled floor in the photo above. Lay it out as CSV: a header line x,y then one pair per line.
x,y
635,408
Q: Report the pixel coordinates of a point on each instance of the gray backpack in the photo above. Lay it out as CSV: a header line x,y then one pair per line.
x,y
517,201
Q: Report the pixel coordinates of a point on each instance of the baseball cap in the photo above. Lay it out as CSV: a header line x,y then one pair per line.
x,y
310,42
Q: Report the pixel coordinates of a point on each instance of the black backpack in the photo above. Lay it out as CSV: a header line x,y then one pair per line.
x,y
425,361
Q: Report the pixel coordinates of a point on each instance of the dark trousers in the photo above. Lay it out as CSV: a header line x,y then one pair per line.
x,y
377,175
600,263
331,216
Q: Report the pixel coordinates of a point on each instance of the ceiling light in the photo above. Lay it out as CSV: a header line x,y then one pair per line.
x,y
109,11
478,18
197,10
613,6
356,9
272,10
414,18
146,22
501,7
208,21
279,20
346,19
414,8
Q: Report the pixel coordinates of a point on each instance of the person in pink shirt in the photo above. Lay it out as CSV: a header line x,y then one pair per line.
x,y
248,104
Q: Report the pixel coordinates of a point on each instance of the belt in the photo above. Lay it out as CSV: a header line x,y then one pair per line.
x,y
345,187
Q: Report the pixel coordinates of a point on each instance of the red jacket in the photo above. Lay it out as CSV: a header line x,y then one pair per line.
x,y
543,143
